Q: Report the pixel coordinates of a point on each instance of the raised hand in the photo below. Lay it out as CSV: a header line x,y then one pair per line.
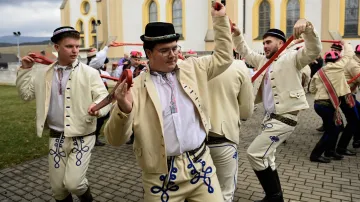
x,y
27,62
218,10
124,97
300,27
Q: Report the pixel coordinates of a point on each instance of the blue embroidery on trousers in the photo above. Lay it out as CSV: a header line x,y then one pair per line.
x,y
169,186
56,153
79,149
198,176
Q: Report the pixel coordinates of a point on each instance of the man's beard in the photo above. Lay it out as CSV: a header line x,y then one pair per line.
x,y
272,53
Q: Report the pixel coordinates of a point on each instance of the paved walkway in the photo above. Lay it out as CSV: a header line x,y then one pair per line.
x,y
115,176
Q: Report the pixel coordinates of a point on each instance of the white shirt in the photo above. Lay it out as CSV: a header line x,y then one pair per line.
x,y
106,74
267,94
182,130
99,59
118,71
55,116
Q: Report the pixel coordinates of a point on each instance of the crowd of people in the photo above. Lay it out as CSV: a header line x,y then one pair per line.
x,y
183,113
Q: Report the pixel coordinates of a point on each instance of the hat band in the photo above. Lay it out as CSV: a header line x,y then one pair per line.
x,y
63,30
157,38
275,34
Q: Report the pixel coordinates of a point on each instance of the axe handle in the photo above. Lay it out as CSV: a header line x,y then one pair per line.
x,y
353,79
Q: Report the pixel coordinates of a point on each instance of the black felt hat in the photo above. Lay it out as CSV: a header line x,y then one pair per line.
x,y
159,32
275,33
336,46
61,30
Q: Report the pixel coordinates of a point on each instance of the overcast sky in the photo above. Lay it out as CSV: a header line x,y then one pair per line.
x,y
30,17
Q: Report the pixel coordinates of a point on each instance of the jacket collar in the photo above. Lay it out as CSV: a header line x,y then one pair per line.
x,y
72,66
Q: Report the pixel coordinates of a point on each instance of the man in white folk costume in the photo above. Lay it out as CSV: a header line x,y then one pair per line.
x,y
167,110
280,89
65,92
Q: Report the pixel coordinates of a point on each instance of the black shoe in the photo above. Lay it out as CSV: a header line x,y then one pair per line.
x,y
269,182
86,197
345,152
67,199
356,144
131,141
321,129
320,159
333,155
98,143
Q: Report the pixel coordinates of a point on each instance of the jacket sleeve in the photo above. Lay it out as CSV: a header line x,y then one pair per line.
x,y
246,96
222,57
99,92
99,59
25,84
354,68
312,87
118,128
312,47
252,58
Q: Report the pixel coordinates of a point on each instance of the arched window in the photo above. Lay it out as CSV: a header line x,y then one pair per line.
x,y
177,18
92,32
153,12
80,28
292,15
351,18
264,17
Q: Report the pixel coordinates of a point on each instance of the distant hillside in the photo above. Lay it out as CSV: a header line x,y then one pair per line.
x,y
22,39
25,44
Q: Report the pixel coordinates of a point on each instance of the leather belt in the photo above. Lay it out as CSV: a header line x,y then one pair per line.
x,y
326,103
283,119
57,134
216,140
202,150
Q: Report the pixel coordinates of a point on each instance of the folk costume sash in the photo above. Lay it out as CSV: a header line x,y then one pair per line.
x,y
334,97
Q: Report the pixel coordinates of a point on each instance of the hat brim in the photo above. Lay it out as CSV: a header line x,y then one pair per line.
x,y
55,38
336,48
161,39
274,35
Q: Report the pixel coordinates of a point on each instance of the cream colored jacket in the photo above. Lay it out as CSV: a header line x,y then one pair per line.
x,y
288,93
352,69
146,120
83,88
231,99
335,73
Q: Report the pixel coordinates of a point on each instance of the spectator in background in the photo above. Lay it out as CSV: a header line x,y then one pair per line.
x,y
135,59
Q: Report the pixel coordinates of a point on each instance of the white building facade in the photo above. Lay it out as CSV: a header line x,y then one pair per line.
x,y
126,19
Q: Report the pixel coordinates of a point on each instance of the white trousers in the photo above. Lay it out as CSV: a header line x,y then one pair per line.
x,y
69,159
261,152
189,178
225,158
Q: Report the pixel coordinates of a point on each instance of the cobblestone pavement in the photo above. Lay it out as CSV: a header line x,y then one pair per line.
x,y
115,176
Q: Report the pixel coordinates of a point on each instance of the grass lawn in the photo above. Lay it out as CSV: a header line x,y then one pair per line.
x,y
18,140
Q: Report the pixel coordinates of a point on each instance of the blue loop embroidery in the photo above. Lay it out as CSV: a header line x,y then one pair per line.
x,y
169,186
266,126
235,155
56,153
198,176
79,150
274,138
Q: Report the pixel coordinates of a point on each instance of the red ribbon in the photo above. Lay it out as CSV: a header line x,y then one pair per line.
x,y
41,59
268,63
